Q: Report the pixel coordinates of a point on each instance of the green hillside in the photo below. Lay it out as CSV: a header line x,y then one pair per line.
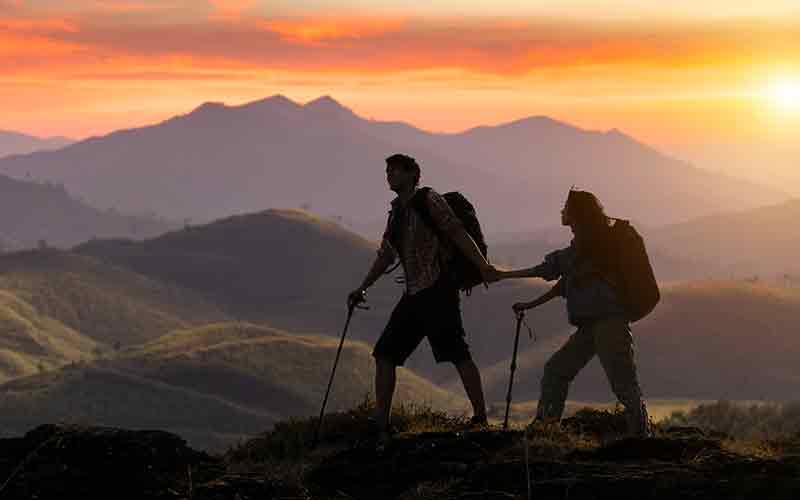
x,y
212,384
108,304
31,343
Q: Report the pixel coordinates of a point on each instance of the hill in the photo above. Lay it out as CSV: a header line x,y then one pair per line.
x,y
707,340
763,241
278,153
431,457
32,214
15,143
108,304
31,342
213,384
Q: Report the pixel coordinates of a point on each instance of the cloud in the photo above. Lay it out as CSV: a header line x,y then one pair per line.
x,y
225,34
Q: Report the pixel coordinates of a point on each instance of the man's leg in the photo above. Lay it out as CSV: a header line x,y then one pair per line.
x,y
614,345
559,371
471,378
385,381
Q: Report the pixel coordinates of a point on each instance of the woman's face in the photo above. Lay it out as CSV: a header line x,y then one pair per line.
x,y
566,220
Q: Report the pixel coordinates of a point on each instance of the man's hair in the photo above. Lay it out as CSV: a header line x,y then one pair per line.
x,y
407,163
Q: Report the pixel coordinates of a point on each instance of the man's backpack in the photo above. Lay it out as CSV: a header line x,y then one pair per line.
x,y
633,277
459,271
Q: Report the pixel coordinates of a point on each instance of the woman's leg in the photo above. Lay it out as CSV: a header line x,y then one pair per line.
x,y
614,346
560,370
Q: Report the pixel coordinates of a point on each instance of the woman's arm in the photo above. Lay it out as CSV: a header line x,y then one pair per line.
x,y
543,299
531,272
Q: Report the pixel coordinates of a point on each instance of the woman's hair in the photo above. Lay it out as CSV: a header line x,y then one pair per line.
x,y
587,213
407,163
586,210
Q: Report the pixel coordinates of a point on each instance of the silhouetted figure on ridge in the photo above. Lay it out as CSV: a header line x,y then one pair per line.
x,y
596,305
430,305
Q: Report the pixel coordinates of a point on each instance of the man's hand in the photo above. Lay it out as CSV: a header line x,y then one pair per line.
x,y
490,273
356,297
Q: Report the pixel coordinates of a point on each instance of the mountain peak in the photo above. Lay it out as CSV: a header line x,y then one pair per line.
x,y
209,106
327,105
278,101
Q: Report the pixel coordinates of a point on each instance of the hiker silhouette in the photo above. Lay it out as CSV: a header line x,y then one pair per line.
x,y
425,234
592,275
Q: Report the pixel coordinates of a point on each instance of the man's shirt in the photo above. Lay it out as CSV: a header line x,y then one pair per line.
x,y
421,251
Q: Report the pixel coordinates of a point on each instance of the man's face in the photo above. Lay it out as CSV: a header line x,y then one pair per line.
x,y
398,178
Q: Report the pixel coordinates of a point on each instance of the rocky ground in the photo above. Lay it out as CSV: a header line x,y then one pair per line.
x,y
431,456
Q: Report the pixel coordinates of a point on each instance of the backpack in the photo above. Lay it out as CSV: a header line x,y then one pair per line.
x,y
633,276
459,271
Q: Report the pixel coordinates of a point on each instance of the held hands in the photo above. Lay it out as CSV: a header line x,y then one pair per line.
x,y
491,274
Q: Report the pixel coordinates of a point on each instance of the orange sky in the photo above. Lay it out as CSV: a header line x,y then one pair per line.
x,y
678,76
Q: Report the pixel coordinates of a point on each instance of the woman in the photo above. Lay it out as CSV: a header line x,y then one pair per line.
x,y
585,271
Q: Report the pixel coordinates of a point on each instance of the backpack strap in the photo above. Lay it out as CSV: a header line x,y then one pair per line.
x,y
391,230
420,203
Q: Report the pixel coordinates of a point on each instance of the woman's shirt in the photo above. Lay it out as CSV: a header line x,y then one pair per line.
x,y
589,296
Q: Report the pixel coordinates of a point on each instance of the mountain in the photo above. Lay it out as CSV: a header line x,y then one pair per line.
x,y
213,385
15,143
220,160
33,214
731,340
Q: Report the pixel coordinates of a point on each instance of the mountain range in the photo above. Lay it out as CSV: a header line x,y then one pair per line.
x,y
219,160
16,143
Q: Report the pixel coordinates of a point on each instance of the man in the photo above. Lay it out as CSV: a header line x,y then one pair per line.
x,y
585,269
430,306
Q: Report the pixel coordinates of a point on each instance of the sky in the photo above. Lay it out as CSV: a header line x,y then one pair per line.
x,y
716,82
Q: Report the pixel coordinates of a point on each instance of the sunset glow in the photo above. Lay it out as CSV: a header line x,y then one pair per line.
x,y
669,75
785,95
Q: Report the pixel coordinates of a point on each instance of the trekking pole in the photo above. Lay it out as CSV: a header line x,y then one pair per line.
x,y
350,308
520,315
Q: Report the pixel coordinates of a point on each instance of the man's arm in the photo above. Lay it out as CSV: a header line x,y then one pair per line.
x,y
379,266
444,217
385,258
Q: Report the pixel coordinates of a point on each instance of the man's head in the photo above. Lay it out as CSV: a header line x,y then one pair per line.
x,y
402,172
582,208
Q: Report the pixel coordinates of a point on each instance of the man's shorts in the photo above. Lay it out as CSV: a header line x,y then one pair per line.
x,y
434,313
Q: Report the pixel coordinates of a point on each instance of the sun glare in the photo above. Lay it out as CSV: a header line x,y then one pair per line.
x,y
785,94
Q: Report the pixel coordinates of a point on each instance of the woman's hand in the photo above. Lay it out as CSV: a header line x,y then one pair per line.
x,y
520,307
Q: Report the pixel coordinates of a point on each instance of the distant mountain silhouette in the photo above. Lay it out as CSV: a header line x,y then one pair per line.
x,y
15,143
220,160
32,213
